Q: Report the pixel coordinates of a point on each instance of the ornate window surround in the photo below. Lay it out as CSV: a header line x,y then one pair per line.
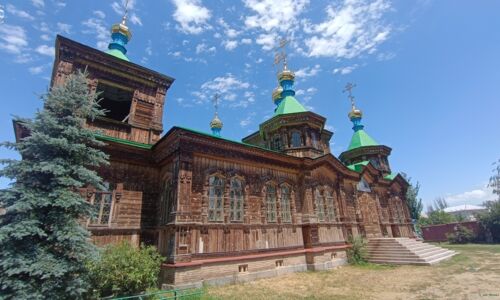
x,y
236,205
216,197
285,203
271,202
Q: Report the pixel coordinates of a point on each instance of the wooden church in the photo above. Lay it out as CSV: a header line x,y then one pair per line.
x,y
221,210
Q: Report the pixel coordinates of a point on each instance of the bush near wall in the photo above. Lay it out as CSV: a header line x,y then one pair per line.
x,y
461,235
123,270
357,253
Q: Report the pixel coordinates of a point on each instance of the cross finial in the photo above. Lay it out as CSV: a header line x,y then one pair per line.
x,y
280,55
124,18
215,102
348,88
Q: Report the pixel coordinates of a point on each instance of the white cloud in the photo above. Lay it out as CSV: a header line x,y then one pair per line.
x,y
230,45
246,41
228,31
45,37
36,70
64,28
203,48
45,50
96,27
267,40
308,72
99,13
475,196
330,128
229,87
13,38
248,120
191,15
273,16
19,13
44,27
149,48
345,70
135,19
38,3
350,29
386,56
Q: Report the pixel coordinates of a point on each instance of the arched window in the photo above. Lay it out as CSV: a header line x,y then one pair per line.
x,y
320,205
330,208
296,139
236,200
271,203
216,199
286,215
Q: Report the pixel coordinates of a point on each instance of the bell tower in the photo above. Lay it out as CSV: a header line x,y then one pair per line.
x,y
132,95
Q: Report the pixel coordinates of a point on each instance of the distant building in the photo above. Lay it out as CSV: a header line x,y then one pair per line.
x,y
467,211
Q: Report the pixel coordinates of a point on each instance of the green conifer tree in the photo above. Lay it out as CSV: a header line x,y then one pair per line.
x,y
43,246
415,204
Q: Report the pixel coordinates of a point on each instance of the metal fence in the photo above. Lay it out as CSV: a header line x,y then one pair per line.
x,y
188,294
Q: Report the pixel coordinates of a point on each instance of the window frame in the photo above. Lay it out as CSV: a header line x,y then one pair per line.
x,y
233,210
320,205
214,199
100,211
295,134
271,204
285,204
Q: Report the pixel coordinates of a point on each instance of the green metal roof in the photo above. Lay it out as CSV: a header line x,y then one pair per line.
x,y
122,141
361,139
391,176
357,167
225,139
289,105
117,53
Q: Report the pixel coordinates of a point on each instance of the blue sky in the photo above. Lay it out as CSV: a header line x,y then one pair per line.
x,y
427,72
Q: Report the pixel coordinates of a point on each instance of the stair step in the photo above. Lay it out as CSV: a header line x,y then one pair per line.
x,y
405,251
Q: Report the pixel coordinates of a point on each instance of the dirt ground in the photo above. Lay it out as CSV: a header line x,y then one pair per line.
x,y
472,274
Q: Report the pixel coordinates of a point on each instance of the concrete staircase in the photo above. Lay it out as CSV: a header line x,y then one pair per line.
x,y
405,251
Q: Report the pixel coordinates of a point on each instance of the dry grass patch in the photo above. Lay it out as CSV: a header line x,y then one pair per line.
x,y
472,274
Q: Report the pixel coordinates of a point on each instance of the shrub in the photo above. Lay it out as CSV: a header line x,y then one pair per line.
x,y
357,253
462,235
125,270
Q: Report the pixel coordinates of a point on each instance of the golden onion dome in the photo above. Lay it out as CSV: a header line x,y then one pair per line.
x,y
286,75
122,28
216,122
277,93
355,113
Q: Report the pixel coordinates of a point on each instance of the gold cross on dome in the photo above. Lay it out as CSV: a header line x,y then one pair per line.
x,y
215,101
348,88
124,18
280,55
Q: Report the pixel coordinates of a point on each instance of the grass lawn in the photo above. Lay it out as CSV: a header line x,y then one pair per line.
x,y
472,274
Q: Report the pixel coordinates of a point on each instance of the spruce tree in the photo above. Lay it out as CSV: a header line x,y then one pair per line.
x,y
43,245
415,204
